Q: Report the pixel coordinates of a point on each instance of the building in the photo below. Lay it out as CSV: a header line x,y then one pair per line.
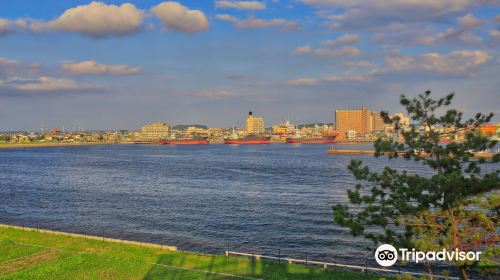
x,y
351,134
283,128
196,130
361,121
20,138
154,131
403,119
255,124
378,122
216,132
488,130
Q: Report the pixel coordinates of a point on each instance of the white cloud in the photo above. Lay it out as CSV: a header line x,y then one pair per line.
x,y
253,22
398,34
326,52
177,17
341,46
240,5
348,78
9,67
100,20
346,39
462,34
302,82
45,83
457,63
303,50
225,17
344,51
21,25
468,21
5,62
308,81
91,67
453,63
495,34
4,25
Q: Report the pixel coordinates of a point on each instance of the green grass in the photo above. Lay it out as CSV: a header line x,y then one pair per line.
x,y
11,251
35,255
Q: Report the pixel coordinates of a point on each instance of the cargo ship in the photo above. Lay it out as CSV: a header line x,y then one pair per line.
x,y
322,140
248,140
446,140
186,141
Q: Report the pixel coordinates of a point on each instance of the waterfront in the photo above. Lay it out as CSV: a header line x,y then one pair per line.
x,y
260,198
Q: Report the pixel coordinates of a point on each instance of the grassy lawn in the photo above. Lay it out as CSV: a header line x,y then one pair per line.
x,y
35,255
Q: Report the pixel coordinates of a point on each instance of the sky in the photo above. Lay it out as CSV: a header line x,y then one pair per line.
x,y
119,64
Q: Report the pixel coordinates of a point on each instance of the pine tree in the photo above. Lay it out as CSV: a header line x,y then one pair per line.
x,y
457,206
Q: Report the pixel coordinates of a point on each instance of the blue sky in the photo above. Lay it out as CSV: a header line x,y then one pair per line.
x,y
118,64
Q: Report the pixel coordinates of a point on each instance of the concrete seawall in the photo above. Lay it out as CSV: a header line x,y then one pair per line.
x,y
93,237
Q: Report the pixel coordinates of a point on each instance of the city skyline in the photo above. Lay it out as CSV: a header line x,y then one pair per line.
x,y
248,124
119,64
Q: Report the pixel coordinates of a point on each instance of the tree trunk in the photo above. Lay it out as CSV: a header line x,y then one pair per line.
x,y
463,273
456,242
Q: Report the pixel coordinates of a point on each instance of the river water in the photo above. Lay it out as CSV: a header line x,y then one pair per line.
x,y
261,198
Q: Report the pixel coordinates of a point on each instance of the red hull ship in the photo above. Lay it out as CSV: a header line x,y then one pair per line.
x,y
324,140
446,140
249,140
309,141
185,142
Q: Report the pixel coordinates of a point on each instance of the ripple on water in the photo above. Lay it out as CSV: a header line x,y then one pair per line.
x,y
199,198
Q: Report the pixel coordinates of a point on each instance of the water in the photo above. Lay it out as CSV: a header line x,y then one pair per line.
x,y
199,198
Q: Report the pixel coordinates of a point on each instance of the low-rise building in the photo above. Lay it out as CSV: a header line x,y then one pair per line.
x,y
154,131
283,128
20,138
488,130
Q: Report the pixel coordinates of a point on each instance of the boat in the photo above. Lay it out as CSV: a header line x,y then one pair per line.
x,y
186,141
321,140
249,140
142,141
446,140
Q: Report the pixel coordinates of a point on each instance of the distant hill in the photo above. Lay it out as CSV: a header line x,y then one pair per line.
x,y
185,126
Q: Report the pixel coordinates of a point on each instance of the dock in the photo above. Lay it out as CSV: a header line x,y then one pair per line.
x,y
372,152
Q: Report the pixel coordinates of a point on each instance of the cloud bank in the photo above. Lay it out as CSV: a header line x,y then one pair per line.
x,y
359,14
100,20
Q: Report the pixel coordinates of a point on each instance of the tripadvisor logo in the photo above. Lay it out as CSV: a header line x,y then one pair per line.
x,y
387,255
